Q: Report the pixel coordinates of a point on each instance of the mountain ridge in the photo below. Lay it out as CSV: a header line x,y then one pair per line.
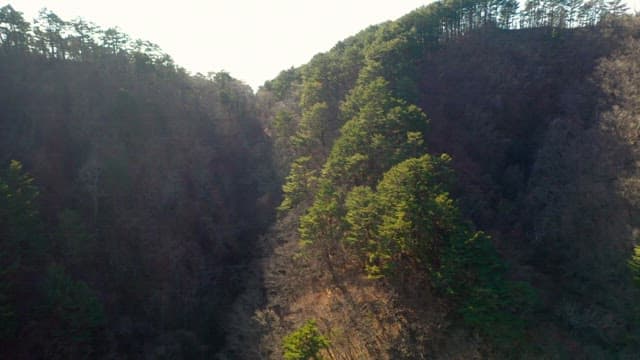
x,y
458,183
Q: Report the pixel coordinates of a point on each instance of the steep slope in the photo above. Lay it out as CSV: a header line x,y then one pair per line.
x,y
538,120
149,181
459,183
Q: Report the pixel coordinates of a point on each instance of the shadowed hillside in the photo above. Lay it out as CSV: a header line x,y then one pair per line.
x,y
145,199
461,183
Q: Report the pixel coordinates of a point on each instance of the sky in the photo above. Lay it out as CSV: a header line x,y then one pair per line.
x,y
253,40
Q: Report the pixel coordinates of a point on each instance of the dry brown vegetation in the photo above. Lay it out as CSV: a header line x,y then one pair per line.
x,y
154,187
542,127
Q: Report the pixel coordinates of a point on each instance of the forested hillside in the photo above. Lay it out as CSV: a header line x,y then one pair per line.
x,y
129,195
460,183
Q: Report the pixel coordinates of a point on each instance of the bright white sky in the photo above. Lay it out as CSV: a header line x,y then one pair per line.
x,y
251,39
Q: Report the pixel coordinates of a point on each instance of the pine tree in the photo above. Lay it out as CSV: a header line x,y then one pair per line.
x,y
21,246
634,266
305,343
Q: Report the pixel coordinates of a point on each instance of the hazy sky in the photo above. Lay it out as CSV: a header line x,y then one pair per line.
x,y
251,39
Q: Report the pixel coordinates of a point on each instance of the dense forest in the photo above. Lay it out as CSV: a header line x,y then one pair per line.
x,y
130,193
460,183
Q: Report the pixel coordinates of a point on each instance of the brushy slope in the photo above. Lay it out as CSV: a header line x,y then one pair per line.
x,y
538,124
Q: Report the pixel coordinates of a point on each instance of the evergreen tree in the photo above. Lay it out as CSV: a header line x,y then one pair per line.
x,y
634,265
411,225
74,318
21,249
13,28
305,343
